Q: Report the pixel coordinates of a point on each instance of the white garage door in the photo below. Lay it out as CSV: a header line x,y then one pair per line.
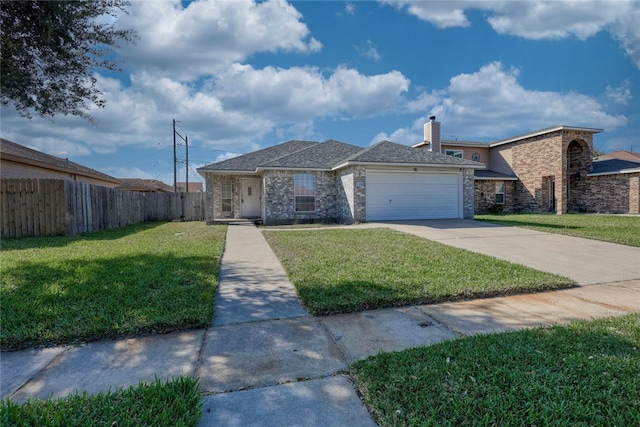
x,y
403,196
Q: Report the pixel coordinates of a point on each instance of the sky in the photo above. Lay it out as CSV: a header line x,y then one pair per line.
x,y
240,75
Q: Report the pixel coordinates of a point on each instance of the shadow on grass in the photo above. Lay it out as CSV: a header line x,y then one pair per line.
x,y
532,224
352,296
21,243
78,300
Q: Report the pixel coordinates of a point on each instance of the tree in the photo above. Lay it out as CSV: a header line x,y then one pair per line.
x,y
50,50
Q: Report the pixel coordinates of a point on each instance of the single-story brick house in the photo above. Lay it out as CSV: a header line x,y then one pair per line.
x,y
306,181
548,170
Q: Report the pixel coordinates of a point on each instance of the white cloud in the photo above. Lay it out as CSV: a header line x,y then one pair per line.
x,y
621,94
369,50
491,103
188,42
350,8
294,94
539,20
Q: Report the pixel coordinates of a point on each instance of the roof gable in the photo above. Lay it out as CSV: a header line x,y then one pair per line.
x,y
324,155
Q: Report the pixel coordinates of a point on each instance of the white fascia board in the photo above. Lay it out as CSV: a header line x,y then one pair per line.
x,y
542,132
621,171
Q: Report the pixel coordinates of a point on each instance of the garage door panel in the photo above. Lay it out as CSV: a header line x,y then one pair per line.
x,y
405,196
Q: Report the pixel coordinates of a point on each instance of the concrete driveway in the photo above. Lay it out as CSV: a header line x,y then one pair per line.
x,y
583,260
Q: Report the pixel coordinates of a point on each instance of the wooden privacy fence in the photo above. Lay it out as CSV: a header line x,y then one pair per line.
x,y
50,207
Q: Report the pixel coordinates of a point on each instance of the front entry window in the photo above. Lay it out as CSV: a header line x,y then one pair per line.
x,y
499,193
304,192
226,196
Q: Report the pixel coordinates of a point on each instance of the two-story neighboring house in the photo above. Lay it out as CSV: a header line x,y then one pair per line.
x,y
548,170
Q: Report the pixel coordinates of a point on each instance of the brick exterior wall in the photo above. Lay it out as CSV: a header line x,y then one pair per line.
x,y
612,194
351,200
485,196
214,196
279,204
340,196
468,196
564,155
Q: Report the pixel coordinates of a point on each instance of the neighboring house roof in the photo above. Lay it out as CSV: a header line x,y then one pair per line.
x,y
613,167
391,153
150,185
621,155
19,153
332,155
492,175
194,187
251,161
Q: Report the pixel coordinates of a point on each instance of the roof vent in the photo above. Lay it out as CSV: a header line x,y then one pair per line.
x,y
432,118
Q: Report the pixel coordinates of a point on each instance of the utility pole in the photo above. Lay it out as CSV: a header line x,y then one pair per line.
x,y
186,169
175,160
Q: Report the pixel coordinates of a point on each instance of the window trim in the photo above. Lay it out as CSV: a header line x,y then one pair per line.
x,y
458,154
308,182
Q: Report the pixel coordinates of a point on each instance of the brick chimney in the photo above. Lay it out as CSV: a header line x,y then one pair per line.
x,y
432,134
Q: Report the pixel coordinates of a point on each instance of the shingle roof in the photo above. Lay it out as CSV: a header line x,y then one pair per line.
x,y
333,154
319,156
387,152
14,151
251,161
613,166
139,184
488,174
621,155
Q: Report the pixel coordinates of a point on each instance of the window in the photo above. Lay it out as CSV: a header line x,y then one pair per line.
x,y
226,196
499,193
454,153
304,192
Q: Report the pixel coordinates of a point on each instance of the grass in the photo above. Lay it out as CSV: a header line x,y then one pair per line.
x,y
624,230
174,403
148,278
336,271
584,374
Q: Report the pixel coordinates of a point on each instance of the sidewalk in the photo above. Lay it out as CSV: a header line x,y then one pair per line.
x,y
265,361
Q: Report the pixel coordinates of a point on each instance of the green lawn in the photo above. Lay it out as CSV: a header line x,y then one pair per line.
x,y
584,374
609,228
148,278
344,270
174,403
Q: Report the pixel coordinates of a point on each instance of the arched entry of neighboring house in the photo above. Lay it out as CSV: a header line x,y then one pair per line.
x,y
578,164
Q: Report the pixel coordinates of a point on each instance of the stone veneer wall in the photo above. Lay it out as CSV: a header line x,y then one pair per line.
x,y
351,202
485,196
468,196
213,196
612,194
279,206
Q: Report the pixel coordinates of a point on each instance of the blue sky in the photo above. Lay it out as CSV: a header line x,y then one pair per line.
x,y
241,75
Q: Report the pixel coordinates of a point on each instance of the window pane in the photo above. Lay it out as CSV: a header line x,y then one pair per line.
x,y
305,203
304,190
499,199
226,196
500,188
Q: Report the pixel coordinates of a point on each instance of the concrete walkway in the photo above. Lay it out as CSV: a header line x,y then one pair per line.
x,y
264,361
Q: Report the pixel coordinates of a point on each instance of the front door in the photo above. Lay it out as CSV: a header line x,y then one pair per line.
x,y
250,198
